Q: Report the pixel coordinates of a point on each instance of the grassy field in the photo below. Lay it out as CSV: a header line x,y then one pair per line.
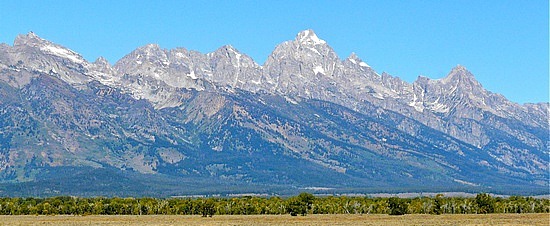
x,y
316,220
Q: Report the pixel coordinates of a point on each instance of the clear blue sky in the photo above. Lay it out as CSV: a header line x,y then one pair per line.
x,y
503,43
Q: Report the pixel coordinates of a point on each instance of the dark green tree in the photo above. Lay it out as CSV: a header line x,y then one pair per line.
x,y
294,206
207,207
300,204
397,206
438,204
485,203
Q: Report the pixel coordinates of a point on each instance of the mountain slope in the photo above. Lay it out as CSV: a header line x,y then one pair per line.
x,y
196,122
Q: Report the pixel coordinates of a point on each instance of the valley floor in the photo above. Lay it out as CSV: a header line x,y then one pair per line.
x,y
316,220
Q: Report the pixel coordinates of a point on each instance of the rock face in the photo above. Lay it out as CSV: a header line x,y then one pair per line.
x,y
180,121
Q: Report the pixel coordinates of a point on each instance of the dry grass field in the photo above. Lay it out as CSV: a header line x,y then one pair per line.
x,y
316,220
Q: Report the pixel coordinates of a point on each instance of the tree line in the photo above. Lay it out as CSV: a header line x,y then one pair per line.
x,y
302,204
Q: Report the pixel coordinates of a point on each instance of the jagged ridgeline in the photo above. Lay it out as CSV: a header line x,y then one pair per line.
x,y
174,122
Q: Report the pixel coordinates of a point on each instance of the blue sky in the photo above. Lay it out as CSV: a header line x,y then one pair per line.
x,y
503,43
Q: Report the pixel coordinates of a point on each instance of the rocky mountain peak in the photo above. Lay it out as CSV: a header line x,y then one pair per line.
x,y
102,65
308,37
306,47
148,57
29,39
101,61
354,59
459,73
226,50
460,76
150,50
353,56
230,55
49,58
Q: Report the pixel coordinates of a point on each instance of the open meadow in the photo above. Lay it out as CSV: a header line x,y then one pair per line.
x,y
317,220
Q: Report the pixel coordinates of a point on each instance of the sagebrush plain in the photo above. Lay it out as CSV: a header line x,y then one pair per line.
x,y
334,219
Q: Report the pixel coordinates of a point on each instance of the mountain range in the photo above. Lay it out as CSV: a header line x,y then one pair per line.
x,y
177,122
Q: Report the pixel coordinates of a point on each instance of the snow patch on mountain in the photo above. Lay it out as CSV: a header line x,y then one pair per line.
x,y
192,75
63,53
309,37
318,69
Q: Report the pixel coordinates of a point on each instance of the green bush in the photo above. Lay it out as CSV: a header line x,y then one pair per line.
x,y
397,206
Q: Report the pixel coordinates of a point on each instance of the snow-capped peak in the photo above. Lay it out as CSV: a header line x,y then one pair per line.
x,y
309,37
32,40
